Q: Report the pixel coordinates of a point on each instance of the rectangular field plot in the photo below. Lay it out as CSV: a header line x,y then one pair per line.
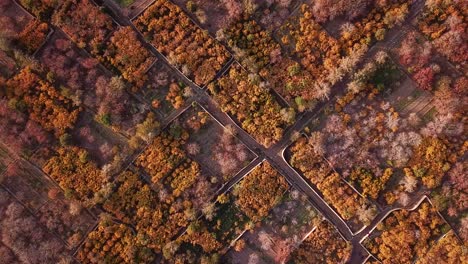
x,y
323,245
65,217
261,54
164,90
86,24
6,157
28,184
434,23
406,236
186,46
447,249
219,151
216,16
449,197
252,105
222,223
80,74
125,55
279,233
423,62
155,213
115,243
22,135
103,145
195,137
26,32
350,205
14,17
84,81
38,193
27,239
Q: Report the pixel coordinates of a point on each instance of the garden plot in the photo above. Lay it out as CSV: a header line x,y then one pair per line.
x,y
272,14
21,135
443,24
6,157
65,217
164,91
218,150
88,34
14,19
446,249
195,137
258,52
157,213
28,184
252,105
420,59
431,73
216,16
223,222
93,143
125,55
319,55
188,48
103,145
213,16
279,233
210,235
80,75
21,29
355,209
329,59
41,196
449,197
114,242
27,239
86,82
406,235
323,245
